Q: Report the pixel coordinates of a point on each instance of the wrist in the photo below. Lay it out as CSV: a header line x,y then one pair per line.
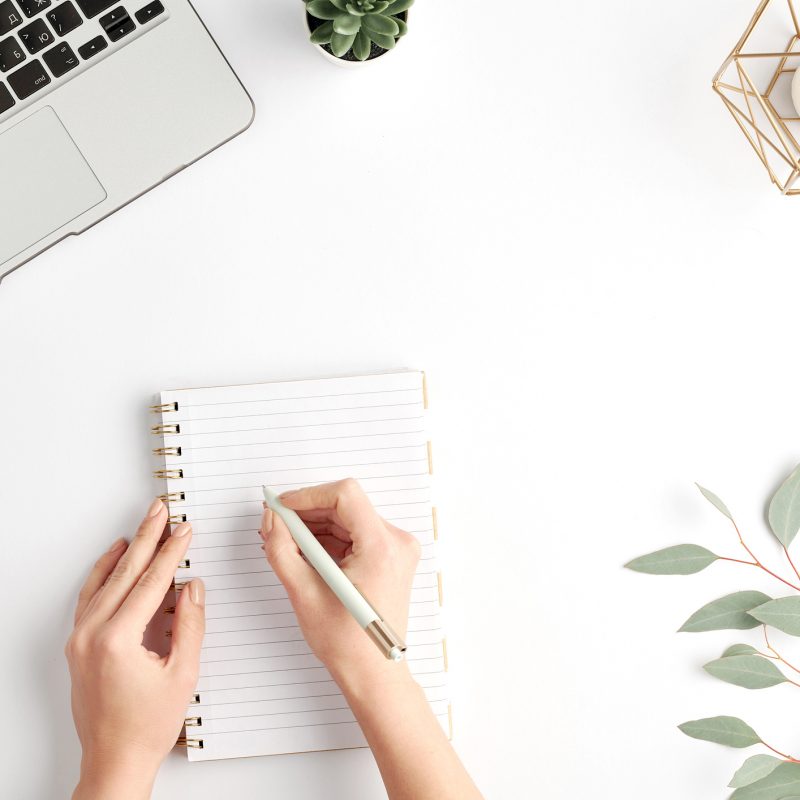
x,y
123,778
369,685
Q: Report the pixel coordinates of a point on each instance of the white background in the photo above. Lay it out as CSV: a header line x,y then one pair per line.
x,y
545,207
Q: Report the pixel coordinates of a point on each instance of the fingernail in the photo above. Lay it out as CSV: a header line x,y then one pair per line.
x,y
266,522
198,592
117,545
181,530
287,495
155,508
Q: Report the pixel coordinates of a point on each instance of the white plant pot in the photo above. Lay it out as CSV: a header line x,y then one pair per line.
x,y
341,62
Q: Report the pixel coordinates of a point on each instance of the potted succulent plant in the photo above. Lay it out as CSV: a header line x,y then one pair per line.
x,y
356,31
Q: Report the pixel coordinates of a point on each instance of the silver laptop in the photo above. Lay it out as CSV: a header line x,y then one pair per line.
x,y
99,102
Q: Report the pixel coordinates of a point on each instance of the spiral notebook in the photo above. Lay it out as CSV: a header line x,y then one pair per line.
x,y
261,690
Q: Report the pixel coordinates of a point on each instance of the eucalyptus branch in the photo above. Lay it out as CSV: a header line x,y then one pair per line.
x,y
757,563
777,656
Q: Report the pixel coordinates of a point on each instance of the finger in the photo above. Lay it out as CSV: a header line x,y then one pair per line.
x,y
283,553
330,529
131,566
145,598
348,500
188,630
97,577
335,547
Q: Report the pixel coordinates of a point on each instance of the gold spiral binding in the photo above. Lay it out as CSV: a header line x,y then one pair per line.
x,y
176,518
167,451
172,497
168,474
185,741
165,407
160,430
193,722
169,610
186,564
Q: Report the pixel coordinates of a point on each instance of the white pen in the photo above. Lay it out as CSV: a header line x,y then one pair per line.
x,y
388,642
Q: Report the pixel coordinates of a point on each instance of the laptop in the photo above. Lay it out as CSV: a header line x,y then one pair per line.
x,y
99,102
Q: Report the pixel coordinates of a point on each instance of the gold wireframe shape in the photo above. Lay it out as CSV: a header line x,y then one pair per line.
x,y
773,135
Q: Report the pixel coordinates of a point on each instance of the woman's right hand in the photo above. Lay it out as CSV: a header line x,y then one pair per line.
x,y
379,559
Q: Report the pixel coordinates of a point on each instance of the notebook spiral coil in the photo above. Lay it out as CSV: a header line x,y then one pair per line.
x,y
185,741
168,474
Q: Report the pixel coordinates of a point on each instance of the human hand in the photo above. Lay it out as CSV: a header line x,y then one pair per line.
x,y
379,558
129,703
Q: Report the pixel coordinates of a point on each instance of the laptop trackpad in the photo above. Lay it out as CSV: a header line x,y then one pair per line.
x,y
45,182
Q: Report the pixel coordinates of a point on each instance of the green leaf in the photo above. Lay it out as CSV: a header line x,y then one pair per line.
x,y
322,34
750,672
380,7
386,42
739,650
402,26
754,769
783,614
340,4
682,559
362,46
322,9
715,501
347,25
356,12
784,509
780,784
399,6
340,43
729,612
729,731
385,26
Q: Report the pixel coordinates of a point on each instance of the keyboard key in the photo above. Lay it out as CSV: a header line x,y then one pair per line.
x,y
32,7
93,47
6,99
150,11
64,18
10,54
61,59
91,8
36,36
28,79
117,24
9,17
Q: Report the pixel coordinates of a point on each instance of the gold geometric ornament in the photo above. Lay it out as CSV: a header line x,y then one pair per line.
x,y
755,84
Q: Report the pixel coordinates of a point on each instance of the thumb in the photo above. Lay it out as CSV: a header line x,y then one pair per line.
x,y
284,555
189,627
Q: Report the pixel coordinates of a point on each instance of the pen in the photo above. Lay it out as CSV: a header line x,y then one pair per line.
x,y
388,642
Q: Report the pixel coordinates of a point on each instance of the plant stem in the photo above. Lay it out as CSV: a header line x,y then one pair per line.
x,y
756,563
789,558
782,755
778,656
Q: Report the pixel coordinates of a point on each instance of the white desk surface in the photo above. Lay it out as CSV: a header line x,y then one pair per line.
x,y
557,219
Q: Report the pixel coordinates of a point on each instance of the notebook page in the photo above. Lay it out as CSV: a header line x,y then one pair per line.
x,y
261,690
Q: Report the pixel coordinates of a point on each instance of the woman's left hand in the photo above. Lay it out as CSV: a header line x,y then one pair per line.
x,y
129,703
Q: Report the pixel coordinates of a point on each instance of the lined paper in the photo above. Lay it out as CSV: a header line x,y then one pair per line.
x,y
261,689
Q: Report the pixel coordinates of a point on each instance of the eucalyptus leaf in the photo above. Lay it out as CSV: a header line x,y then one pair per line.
x,y
783,614
726,613
754,769
730,731
781,784
715,501
739,650
784,509
749,672
681,559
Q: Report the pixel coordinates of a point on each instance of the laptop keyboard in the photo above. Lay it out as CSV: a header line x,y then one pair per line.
x,y
45,43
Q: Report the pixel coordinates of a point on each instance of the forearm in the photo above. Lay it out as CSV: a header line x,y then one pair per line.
x,y
122,781
416,760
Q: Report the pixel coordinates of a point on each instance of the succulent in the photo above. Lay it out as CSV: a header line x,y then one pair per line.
x,y
356,24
